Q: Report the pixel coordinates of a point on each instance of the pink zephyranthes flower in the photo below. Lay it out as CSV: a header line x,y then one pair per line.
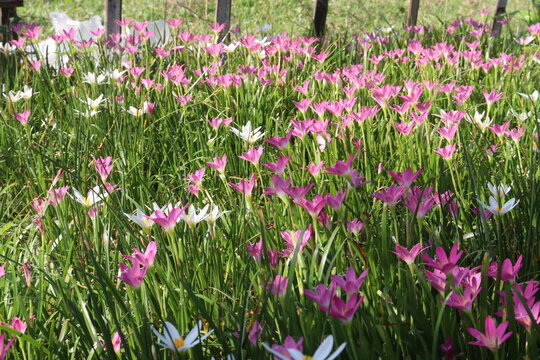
x,y
103,166
408,255
493,337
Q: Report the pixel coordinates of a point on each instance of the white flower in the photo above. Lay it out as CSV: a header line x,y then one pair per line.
x,y
115,74
248,134
87,114
322,353
477,120
166,209
15,96
140,219
172,340
92,78
26,93
192,218
533,97
135,112
7,48
93,196
498,191
93,104
524,40
214,215
523,116
138,112
232,46
497,209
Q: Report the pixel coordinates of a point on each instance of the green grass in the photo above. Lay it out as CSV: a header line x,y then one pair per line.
x,y
293,17
74,298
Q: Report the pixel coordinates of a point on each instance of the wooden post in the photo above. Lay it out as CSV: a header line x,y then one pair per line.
x,y
223,16
412,17
8,8
319,19
499,12
113,11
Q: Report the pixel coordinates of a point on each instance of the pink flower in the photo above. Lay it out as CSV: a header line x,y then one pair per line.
x,y
3,270
278,286
168,221
354,226
494,336
255,332
174,23
342,168
448,132
216,27
409,255
322,296
4,349
298,192
133,276
23,117
313,207
27,276
500,130
279,166
335,202
288,344
146,259
123,22
420,202
292,240
302,105
390,196
245,186
66,71
253,155
404,128
194,189
103,166
446,152
218,164
516,134
280,185
521,310
301,128
443,262
57,195
463,302
255,250
405,178
32,31
492,96
509,272
448,349
350,283
197,177
16,324
314,169
344,311
279,142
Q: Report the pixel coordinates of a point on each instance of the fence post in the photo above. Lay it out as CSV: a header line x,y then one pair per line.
x,y
499,12
412,17
319,19
223,16
113,11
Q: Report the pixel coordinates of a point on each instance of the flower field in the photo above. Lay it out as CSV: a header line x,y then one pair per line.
x,y
373,196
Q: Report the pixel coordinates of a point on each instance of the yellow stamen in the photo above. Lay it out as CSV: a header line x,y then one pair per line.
x,y
179,342
307,357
